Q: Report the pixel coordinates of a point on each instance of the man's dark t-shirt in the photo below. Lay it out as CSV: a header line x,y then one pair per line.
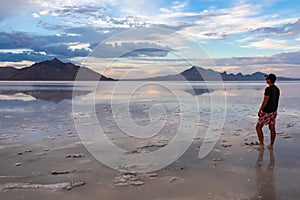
x,y
273,92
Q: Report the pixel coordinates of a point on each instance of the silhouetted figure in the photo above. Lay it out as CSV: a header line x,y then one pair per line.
x,y
265,181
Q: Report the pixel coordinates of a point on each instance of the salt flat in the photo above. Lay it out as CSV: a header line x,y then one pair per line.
x,y
43,155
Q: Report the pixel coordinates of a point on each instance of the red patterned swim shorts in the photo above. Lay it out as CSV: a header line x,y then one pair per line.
x,y
267,118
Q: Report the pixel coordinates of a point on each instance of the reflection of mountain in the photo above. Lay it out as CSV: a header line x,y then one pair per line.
x,y
200,74
48,95
197,91
53,70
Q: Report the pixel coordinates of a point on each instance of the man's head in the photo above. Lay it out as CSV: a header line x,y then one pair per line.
x,y
270,78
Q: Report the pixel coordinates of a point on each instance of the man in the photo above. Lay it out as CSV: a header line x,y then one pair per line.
x,y
268,111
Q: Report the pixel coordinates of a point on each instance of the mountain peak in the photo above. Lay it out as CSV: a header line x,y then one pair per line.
x,y
258,73
56,60
224,72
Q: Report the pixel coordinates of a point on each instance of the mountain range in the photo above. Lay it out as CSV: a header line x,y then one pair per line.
x,y
200,74
55,70
50,70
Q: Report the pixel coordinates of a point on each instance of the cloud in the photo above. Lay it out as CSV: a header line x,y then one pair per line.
x,y
64,50
22,7
19,57
292,58
79,42
12,8
273,69
289,29
91,15
177,6
208,24
75,13
91,34
288,58
146,52
136,8
58,46
49,26
15,40
89,22
129,49
78,45
53,4
20,64
84,12
216,24
224,22
96,13
273,44
228,68
16,51
122,68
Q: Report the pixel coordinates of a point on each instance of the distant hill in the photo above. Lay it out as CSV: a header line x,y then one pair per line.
x,y
197,73
50,70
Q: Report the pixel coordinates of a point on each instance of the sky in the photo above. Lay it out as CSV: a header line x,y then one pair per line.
x,y
146,38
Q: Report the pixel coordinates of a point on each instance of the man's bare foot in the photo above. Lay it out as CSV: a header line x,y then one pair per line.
x,y
260,148
270,147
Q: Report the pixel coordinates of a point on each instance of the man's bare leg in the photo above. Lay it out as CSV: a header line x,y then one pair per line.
x,y
273,135
260,136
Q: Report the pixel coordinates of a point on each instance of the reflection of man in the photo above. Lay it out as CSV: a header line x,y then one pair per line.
x,y
265,179
268,111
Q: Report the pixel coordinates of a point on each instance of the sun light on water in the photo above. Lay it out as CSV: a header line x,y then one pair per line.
x,y
153,91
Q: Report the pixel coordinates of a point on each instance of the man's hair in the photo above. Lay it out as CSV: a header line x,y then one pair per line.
x,y
271,77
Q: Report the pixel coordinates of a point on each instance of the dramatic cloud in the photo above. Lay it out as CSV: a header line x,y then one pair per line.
x,y
130,49
216,24
12,8
82,15
289,29
29,56
71,29
283,58
16,40
273,44
78,42
49,26
53,46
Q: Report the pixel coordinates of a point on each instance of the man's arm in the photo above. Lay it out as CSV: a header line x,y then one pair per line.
x,y
264,103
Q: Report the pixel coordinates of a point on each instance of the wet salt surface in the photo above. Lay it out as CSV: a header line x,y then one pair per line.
x,y
39,136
